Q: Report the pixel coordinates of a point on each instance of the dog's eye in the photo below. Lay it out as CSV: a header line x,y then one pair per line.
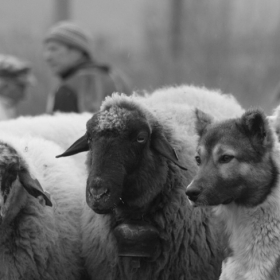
x,y
198,160
225,158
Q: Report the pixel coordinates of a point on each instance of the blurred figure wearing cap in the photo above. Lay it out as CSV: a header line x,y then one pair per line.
x,y
15,77
83,82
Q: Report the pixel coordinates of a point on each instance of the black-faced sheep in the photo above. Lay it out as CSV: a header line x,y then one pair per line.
x,y
145,228
39,242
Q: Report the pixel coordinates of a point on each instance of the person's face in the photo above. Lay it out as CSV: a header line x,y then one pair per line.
x,y
60,57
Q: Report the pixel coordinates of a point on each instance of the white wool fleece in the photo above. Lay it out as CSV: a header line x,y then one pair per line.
x,y
213,102
46,243
61,128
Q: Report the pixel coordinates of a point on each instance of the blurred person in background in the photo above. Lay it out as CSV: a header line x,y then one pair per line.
x,y
15,77
83,83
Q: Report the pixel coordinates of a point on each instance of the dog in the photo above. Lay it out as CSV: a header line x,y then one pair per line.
x,y
238,174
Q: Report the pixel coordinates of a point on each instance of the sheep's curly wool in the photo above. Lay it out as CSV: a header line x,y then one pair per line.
x,y
42,242
190,238
114,118
61,128
214,102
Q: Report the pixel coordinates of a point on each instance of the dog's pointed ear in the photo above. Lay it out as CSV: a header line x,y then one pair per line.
x,y
256,125
33,187
163,147
202,121
81,145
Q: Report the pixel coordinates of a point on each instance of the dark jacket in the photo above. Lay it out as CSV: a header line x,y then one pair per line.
x,y
84,87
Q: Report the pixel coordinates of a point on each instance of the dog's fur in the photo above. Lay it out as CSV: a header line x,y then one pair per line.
x,y
239,161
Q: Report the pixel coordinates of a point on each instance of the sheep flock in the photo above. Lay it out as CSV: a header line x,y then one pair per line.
x,y
102,196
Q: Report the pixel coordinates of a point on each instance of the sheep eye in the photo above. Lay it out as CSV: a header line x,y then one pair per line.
x,y
142,138
198,160
225,158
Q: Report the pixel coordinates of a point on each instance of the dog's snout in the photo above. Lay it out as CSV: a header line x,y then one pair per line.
x,y
193,193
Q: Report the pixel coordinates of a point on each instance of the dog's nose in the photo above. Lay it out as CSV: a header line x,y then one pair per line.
x,y
193,194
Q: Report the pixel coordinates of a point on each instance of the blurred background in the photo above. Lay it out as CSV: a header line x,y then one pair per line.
x,y
229,45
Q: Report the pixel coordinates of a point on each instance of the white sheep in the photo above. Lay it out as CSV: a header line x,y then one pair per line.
x,y
146,228
213,102
61,128
38,241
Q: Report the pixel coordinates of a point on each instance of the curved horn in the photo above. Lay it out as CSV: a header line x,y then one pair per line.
x,y
81,145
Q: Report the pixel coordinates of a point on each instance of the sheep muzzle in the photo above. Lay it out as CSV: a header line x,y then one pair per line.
x,y
101,195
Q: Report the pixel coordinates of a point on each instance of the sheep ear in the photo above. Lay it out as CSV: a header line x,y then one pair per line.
x,y
162,146
256,126
202,121
81,145
33,187
11,202
13,194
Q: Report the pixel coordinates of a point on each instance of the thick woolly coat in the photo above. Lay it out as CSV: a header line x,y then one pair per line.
x,y
60,128
191,241
43,242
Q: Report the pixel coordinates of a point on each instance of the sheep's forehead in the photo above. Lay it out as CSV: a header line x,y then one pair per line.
x,y
114,118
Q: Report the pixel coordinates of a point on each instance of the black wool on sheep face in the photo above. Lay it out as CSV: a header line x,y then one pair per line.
x,y
128,152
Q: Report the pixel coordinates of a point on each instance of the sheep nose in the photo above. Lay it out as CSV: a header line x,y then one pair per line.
x,y
96,188
193,194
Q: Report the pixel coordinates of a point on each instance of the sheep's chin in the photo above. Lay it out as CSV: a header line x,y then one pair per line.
x,y
101,211
102,205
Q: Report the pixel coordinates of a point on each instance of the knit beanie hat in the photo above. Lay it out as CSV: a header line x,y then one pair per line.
x,y
70,34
